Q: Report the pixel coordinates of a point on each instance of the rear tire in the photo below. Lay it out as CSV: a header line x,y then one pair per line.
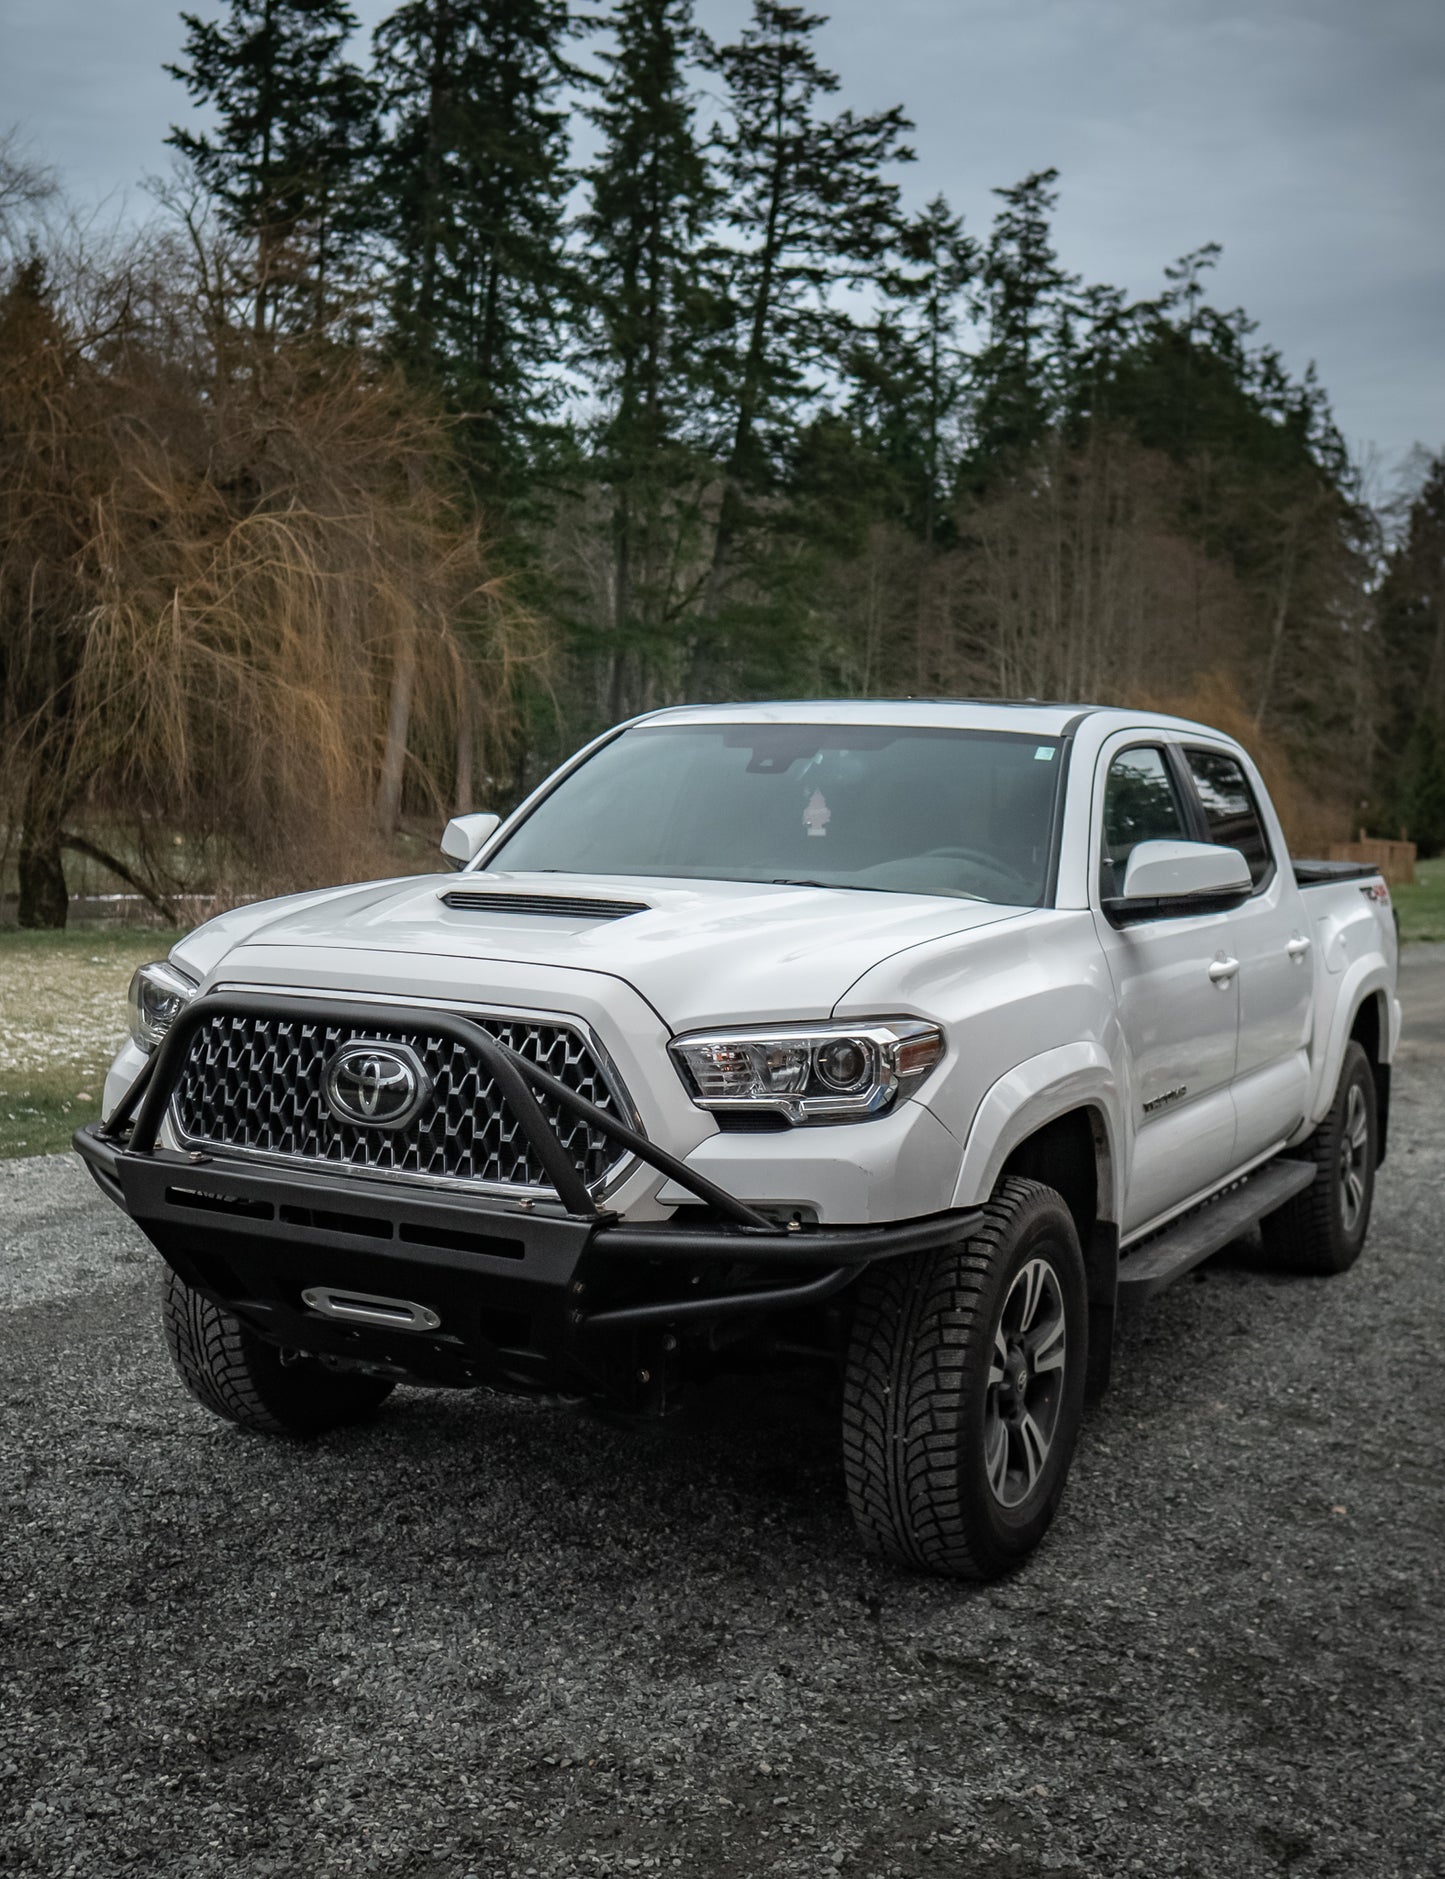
x,y
1322,1230
964,1389
237,1375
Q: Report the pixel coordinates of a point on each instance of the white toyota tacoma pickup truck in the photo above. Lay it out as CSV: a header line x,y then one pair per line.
x,y
907,1036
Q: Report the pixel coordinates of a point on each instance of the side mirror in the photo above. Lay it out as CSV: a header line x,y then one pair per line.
x,y
1166,879
464,837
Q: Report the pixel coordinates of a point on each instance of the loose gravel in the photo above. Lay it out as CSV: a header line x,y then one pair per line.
x,y
490,1637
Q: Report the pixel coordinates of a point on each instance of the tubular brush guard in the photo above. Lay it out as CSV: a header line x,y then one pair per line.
x,y
249,1213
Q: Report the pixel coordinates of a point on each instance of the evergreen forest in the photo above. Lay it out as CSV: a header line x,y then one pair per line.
x,y
474,387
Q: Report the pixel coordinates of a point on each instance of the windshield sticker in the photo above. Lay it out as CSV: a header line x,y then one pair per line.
x,y
1044,754
817,815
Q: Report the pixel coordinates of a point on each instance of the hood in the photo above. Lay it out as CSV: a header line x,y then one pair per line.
x,y
700,952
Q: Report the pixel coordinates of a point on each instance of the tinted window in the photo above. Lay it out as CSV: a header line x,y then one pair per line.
x,y
1229,809
1140,805
902,809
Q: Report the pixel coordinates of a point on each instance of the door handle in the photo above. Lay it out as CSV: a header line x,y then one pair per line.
x,y
1223,970
1298,947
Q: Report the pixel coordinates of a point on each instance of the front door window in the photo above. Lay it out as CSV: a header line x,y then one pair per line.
x,y
1140,805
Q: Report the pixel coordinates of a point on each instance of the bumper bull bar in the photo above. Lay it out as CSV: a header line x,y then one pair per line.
x,y
739,1264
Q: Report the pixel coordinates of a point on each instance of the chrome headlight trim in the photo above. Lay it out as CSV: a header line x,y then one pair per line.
x,y
793,1069
158,993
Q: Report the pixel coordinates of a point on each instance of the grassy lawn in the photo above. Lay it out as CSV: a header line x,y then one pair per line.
x,y
62,1019
1422,907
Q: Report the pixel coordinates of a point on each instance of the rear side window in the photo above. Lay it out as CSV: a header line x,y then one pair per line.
x,y
1140,805
1230,810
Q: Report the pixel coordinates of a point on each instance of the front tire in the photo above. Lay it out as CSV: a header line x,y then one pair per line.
x,y
964,1389
237,1375
1322,1230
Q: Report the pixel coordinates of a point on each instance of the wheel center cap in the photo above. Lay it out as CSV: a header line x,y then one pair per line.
x,y
1018,1374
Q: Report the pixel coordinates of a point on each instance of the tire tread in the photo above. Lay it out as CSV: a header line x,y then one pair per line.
x,y
229,1371
914,1323
1304,1235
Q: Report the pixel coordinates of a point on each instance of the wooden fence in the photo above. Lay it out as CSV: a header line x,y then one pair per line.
x,y
1395,860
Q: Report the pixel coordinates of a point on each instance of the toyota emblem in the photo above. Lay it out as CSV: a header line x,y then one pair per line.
x,y
375,1086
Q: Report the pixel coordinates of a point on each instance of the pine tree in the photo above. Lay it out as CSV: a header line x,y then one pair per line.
x,y
1266,486
911,374
1020,376
1410,622
654,313
294,128
470,200
811,210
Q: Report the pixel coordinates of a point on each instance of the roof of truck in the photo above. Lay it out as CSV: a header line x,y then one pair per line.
x,y
1031,716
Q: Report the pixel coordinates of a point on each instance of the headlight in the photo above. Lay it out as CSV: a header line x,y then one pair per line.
x,y
810,1073
158,994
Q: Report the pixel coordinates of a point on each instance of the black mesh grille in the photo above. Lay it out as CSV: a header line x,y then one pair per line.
x,y
254,1083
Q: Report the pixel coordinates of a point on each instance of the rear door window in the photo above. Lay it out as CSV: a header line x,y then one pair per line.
x,y
1230,811
1140,805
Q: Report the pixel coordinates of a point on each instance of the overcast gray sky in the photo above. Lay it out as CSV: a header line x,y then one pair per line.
x,y
1308,136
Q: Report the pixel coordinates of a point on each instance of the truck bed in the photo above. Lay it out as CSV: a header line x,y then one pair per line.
x,y
1329,873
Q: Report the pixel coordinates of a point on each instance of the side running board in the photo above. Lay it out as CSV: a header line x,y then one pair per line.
x,y
1177,1249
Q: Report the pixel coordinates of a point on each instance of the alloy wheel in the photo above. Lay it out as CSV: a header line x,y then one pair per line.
x,y
1025,1383
1354,1154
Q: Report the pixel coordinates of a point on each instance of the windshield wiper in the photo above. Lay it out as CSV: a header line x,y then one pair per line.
x,y
789,881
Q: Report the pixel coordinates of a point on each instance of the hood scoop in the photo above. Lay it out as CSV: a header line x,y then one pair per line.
x,y
559,906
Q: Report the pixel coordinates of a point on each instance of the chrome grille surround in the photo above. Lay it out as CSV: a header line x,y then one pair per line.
x,y
253,1087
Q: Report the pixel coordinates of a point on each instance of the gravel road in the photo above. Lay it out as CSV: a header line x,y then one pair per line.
x,y
496,1638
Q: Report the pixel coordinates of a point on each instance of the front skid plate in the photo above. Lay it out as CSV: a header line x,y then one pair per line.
x,y
171,1197
497,1277
503,1278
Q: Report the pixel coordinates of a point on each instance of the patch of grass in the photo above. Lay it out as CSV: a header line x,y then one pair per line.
x,y
1422,907
41,1118
103,942
62,1019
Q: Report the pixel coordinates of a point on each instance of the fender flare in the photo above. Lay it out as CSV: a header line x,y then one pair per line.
x,y
1037,1091
1367,977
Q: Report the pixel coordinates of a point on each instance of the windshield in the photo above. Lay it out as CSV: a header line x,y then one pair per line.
x,y
900,809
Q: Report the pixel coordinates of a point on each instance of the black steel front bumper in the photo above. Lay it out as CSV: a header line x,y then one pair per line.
x,y
521,1289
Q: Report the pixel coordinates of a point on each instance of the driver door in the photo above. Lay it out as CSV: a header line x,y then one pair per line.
x,y
1178,1020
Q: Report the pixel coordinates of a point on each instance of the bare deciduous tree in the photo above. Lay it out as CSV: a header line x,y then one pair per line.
x,y
238,593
